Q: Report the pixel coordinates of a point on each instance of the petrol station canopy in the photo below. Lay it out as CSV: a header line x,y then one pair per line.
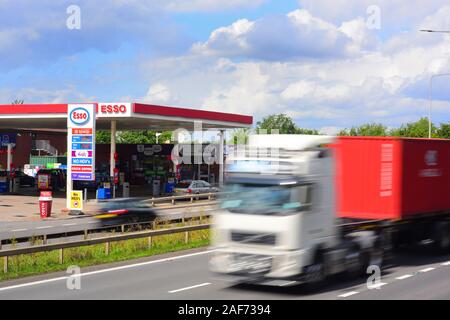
x,y
128,116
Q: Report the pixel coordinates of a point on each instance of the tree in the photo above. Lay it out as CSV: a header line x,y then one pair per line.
x,y
283,123
418,129
444,131
143,137
103,136
240,136
367,129
280,122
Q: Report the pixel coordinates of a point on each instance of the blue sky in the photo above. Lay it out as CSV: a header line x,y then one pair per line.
x,y
318,61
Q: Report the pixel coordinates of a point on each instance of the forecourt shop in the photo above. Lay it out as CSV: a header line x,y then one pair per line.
x,y
72,128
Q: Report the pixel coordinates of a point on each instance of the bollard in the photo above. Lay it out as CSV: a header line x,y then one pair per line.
x,y
150,242
107,248
186,236
85,234
122,228
44,241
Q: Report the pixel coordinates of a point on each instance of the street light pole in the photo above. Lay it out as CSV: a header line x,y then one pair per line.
x,y
431,80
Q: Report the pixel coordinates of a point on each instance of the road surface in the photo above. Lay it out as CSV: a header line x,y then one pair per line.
x,y
417,275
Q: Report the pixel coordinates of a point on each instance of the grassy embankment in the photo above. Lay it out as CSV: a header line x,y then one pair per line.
x,y
44,262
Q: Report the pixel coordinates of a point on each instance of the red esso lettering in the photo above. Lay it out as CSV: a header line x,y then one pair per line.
x,y
80,116
113,108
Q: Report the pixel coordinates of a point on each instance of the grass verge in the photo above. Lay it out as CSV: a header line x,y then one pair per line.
x,y
44,262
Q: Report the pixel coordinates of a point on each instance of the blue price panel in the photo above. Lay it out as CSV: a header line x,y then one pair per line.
x,y
81,138
82,161
83,176
81,146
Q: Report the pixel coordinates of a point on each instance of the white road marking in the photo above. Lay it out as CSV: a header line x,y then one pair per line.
x,y
106,270
69,224
377,285
426,269
406,276
191,287
17,230
44,227
445,263
348,294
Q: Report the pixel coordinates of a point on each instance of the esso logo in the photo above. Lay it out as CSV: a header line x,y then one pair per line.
x,y
79,116
113,108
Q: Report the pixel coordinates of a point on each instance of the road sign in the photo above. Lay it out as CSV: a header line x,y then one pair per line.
x,y
81,141
76,200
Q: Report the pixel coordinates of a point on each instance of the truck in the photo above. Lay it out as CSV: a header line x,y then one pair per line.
x,y
298,208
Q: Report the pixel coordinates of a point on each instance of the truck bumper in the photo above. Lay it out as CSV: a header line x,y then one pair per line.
x,y
280,268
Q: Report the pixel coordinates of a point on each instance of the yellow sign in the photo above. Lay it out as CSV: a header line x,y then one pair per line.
x,y
76,200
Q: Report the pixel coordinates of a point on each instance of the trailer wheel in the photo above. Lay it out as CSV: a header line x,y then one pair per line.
x,y
441,237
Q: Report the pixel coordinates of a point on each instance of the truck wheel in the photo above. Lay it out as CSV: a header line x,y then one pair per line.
x,y
354,262
315,274
441,237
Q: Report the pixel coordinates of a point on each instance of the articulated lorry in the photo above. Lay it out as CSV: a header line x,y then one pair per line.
x,y
299,208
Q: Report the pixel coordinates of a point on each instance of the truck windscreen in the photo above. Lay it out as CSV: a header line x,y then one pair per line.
x,y
266,199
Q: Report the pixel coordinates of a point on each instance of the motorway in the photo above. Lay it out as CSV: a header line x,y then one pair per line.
x,y
416,274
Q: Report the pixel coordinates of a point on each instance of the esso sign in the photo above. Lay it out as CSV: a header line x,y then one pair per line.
x,y
79,116
113,108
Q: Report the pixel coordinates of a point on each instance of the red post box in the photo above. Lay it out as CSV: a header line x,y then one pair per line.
x,y
45,204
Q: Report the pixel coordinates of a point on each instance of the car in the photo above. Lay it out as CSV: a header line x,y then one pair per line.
x,y
125,210
193,187
25,180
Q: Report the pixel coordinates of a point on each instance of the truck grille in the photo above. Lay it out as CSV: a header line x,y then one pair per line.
x,y
254,238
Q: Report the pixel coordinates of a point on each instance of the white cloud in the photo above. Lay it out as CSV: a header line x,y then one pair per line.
x,y
295,35
157,93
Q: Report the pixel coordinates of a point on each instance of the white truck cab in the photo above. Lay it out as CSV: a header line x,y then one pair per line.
x,y
277,220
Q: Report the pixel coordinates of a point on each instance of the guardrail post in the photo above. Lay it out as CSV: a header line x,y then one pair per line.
x,y
61,256
107,245
186,236
0,244
173,200
5,264
192,199
150,242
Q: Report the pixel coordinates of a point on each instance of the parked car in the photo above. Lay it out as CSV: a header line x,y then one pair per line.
x,y
125,210
25,180
193,187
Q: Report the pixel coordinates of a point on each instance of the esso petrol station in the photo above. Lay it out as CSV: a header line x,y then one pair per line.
x,y
48,138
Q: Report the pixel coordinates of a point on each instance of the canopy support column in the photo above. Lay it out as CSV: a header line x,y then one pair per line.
x,y
112,161
221,160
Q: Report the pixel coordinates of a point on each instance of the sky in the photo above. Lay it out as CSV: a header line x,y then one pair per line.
x,y
328,64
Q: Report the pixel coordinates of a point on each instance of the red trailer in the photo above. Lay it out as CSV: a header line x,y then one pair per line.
x,y
392,178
